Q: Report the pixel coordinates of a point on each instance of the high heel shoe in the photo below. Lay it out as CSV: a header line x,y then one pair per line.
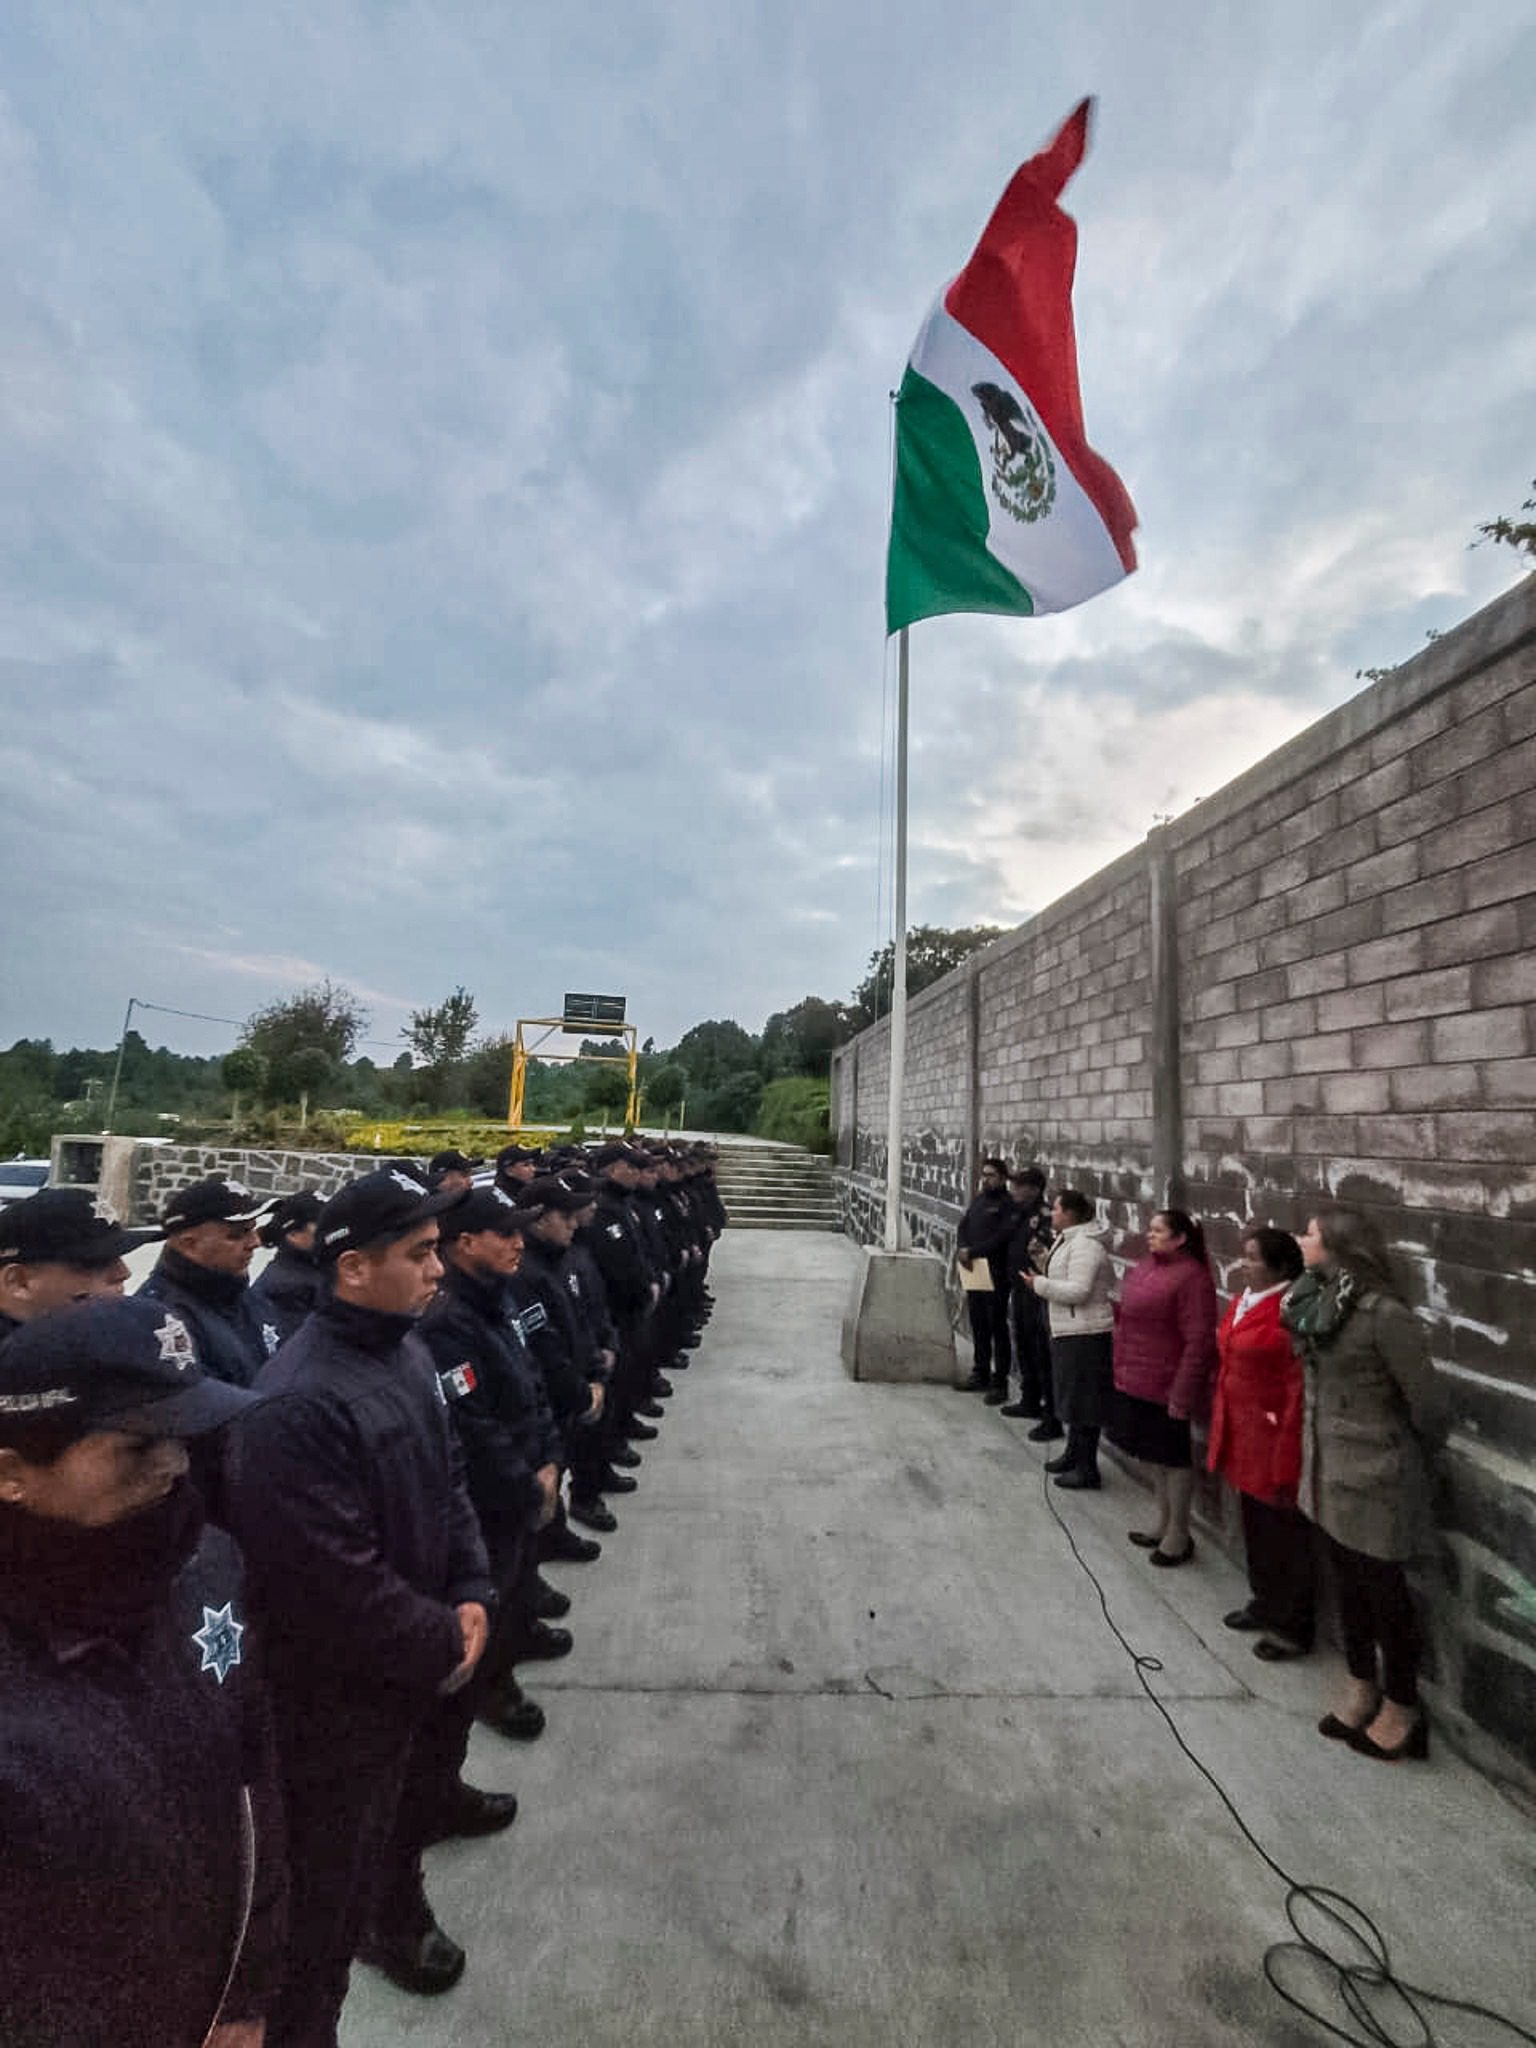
x,y
1413,1747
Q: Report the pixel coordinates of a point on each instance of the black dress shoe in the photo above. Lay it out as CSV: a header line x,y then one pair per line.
x,y
550,1604
539,1641
679,1364
1279,1650
1080,1479
1414,1745
592,1514
1049,1431
1243,1619
468,1813
996,1396
560,1542
520,1720
662,1388
978,1383
1017,1411
623,1456
616,1482
652,1408
1168,1559
1062,1463
642,1432
428,1962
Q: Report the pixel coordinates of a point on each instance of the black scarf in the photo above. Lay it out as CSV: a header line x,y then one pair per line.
x,y
56,1576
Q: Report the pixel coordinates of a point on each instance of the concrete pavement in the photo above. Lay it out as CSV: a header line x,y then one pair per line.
x,y
846,1754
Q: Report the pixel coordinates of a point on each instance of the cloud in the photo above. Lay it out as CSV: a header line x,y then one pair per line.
x,y
446,463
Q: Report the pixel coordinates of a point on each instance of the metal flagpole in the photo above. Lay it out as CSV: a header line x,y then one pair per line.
x,y
893,1229
117,1071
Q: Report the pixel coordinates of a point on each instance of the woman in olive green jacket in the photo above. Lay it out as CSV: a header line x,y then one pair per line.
x,y
1375,1415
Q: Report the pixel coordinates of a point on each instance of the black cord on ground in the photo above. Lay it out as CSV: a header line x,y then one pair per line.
x,y
1367,1986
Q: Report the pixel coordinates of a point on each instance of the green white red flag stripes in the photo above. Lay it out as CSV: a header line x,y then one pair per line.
x,y
1000,503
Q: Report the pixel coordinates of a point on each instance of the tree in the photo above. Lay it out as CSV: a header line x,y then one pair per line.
x,y
243,1072
309,1068
932,950
714,1049
733,1106
803,1040
666,1088
323,1015
606,1089
439,1040
1519,534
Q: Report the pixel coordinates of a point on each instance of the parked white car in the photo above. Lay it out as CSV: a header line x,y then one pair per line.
x,y
22,1177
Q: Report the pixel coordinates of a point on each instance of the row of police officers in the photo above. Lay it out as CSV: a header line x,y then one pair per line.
x,y
268,1549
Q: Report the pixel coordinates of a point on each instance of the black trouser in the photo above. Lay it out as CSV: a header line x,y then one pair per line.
x,y
631,1378
1377,1621
431,1779
1032,1350
515,1570
989,1335
1282,1569
1082,1452
587,1455
340,1812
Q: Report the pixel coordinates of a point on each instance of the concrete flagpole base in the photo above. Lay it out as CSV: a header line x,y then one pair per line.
x,y
897,1325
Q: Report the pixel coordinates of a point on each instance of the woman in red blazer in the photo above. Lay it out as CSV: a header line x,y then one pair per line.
x,y
1256,1447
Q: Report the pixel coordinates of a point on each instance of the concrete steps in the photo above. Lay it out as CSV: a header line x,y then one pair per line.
x,y
775,1187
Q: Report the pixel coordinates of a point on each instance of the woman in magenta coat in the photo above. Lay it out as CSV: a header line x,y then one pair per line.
x,y
1256,1447
1165,1361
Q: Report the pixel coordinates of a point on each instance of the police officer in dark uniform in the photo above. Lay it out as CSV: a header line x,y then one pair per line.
x,y
291,1283
203,1273
1029,1249
57,1249
985,1230
141,1856
512,1449
615,1243
516,1165
651,1219
574,1369
450,1170
368,1569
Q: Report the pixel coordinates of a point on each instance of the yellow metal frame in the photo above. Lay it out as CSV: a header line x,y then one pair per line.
x,y
522,1052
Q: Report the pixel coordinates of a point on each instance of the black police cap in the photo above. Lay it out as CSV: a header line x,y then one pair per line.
x,y
117,1363
550,1192
63,1227
486,1209
215,1200
376,1209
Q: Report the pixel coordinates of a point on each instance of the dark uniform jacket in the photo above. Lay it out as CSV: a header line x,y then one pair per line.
x,y
555,1331
285,1290
1030,1245
614,1240
495,1394
711,1208
347,1495
585,1281
140,1827
650,1220
985,1230
217,1309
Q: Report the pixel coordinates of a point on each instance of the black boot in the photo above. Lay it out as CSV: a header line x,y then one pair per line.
x,y
1078,1467
407,1944
549,1603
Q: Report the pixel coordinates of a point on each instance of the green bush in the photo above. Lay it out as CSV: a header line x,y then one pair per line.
x,y
797,1111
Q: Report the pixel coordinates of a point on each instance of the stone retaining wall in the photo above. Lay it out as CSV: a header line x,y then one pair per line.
x,y
1318,984
159,1170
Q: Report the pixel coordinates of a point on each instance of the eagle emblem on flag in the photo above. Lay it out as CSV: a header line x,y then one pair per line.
x,y
1023,468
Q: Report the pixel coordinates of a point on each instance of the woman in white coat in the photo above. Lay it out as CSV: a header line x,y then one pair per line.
x,y
1077,1287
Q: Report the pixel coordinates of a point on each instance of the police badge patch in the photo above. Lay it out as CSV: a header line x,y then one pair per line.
x,y
219,1640
176,1346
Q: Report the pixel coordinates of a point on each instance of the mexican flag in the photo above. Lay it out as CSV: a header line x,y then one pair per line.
x,y
1001,505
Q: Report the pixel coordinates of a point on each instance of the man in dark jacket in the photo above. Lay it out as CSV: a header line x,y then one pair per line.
x,y
203,1274
57,1249
512,1449
561,1340
291,1283
985,1229
617,1247
369,1573
142,1871
1028,1250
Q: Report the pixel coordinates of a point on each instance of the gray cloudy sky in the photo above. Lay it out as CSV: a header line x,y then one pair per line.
x,y
443,467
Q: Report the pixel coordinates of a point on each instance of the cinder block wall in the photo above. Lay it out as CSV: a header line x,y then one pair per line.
x,y
1318,983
